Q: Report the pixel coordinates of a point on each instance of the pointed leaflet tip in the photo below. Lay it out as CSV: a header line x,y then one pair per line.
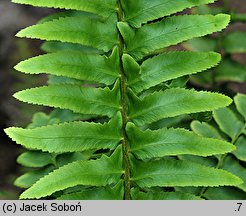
x,y
224,18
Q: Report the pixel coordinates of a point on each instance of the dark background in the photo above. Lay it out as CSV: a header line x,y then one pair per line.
x,y
14,17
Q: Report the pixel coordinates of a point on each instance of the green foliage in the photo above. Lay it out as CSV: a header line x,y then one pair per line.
x,y
230,125
111,77
166,67
154,195
95,68
143,11
169,31
100,101
228,43
163,142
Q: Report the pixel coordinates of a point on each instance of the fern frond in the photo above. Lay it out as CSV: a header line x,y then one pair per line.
x,y
109,79
240,102
205,129
104,8
240,152
57,46
77,29
233,166
74,64
228,122
165,67
163,142
100,193
101,172
225,193
230,126
170,31
230,70
101,101
170,173
35,159
174,102
58,138
142,11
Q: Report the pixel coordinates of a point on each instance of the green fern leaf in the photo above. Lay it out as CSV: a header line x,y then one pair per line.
x,y
111,83
240,101
169,173
35,159
224,193
78,29
166,67
138,195
69,13
235,42
174,102
202,44
240,152
142,11
205,129
64,159
69,137
104,8
79,99
29,178
56,46
230,70
101,172
165,142
105,193
210,161
233,166
170,31
74,64
228,122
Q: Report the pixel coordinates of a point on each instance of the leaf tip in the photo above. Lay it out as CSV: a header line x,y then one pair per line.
x,y
224,19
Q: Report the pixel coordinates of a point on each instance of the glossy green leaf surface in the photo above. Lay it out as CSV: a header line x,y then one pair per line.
x,y
205,129
101,193
56,46
120,102
78,29
35,159
69,137
170,31
240,101
101,7
174,102
84,100
166,67
74,64
166,142
142,11
236,168
170,172
29,178
225,193
228,122
240,152
101,172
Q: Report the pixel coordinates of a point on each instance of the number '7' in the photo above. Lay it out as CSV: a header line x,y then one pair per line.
x,y
239,206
